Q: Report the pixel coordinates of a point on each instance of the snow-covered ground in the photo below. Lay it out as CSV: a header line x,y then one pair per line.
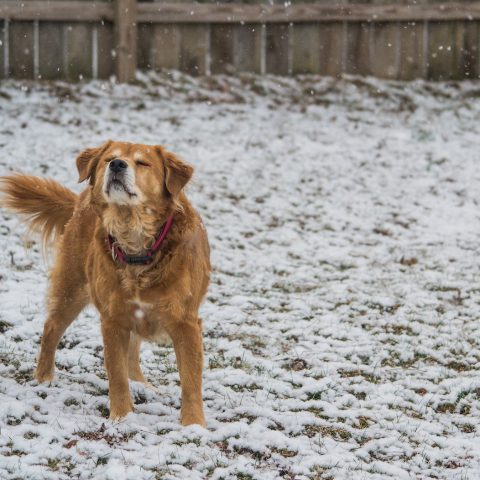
x,y
341,327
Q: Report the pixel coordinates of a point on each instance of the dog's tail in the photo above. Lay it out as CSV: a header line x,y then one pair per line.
x,y
45,205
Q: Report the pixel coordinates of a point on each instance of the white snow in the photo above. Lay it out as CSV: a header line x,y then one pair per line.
x,y
342,337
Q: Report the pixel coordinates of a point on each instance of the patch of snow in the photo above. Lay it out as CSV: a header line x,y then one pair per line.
x,y
341,326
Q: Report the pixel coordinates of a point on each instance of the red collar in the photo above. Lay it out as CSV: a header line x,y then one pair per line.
x,y
117,252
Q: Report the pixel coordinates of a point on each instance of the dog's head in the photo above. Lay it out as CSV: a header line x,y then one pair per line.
x,y
130,174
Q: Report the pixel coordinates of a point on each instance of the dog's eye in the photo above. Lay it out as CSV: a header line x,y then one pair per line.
x,y
142,164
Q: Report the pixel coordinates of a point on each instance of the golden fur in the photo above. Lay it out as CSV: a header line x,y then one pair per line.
x,y
136,302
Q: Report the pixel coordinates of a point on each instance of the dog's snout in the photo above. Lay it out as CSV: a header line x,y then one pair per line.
x,y
117,166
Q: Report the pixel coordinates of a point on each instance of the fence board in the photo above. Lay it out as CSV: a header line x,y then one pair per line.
x,y
194,45
222,48
78,52
2,49
457,45
303,12
50,47
306,38
105,46
413,61
332,48
277,47
66,11
386,47
248,48
166,47
69,11
126,36
21,49
145,46
469,55
358,48
443,62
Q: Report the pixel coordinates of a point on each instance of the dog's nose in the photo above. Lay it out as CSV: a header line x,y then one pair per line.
x,y
117,166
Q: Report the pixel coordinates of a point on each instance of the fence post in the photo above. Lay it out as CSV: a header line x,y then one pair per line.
x,y
125,40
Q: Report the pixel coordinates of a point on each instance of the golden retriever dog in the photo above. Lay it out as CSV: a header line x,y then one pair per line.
x,y
132,244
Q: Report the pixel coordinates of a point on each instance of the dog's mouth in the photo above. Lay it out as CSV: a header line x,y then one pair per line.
x,y
116,183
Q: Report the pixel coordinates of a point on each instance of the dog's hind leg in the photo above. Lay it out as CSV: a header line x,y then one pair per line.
x,y
67,298
134,370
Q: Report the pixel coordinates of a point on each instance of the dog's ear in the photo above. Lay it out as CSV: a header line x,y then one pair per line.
x,y
87,162
177,172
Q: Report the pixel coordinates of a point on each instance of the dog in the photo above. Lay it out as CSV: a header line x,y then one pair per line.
x,y
132,244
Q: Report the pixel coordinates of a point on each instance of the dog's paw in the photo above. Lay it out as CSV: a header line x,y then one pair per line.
x,y
118,413
44,377
193,420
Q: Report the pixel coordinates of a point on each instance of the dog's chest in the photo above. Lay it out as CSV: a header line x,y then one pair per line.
x,y
147,321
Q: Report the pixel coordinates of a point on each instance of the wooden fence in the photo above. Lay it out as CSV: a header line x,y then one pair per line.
x,y
75,39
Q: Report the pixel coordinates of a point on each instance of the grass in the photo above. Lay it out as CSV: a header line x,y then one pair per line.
x,y
220,360
70,402
395,360
243,388
4,326
13,452
369,377
103,410
337,433
101,434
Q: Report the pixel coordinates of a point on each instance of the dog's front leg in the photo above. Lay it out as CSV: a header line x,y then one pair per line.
x,y
187,341
115,340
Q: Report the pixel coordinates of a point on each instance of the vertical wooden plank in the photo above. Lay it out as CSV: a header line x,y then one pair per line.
x,y
36,60
21,49
248,48
469,53
332,48
145,45
50,50
194,45
126,39
305,41
277,49
386,50
444,45
358,50
166,47
6,49
2,49
106,45
222,48
413,61
458,46
78,51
